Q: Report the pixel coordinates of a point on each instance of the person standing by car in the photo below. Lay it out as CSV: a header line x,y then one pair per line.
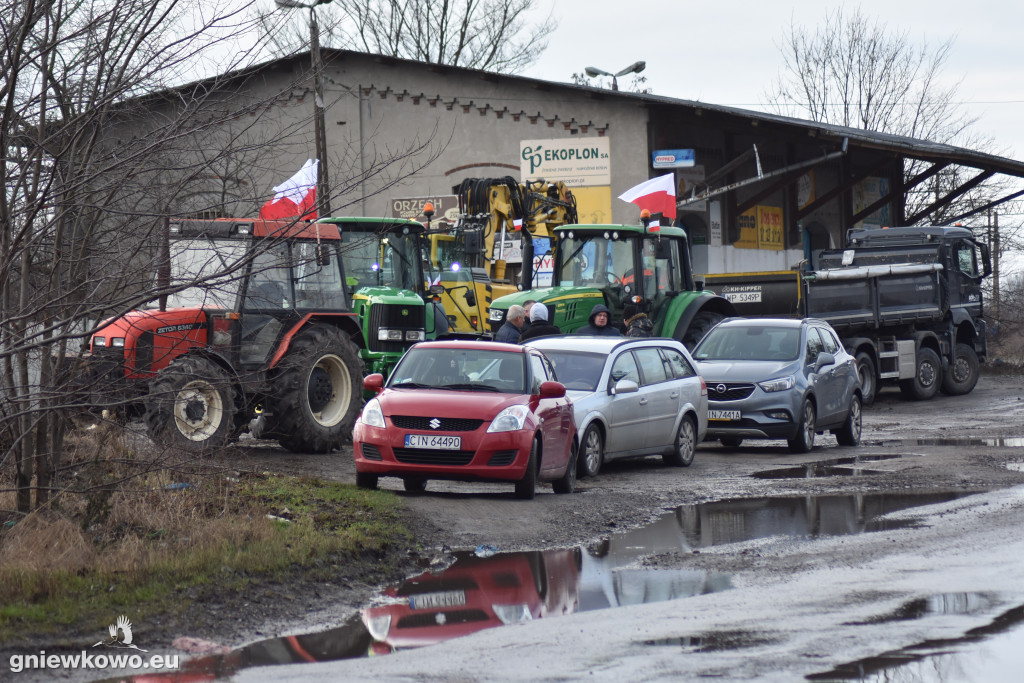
x,y
539,325
509,332
637,322
598,323
527,305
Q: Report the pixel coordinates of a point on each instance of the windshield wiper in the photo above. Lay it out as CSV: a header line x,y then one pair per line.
x,y
412,385
471,386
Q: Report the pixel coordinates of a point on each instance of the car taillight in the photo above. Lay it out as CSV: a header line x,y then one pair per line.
x,y
703,387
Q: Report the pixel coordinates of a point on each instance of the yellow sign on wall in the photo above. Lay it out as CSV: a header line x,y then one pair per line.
x,y
761,228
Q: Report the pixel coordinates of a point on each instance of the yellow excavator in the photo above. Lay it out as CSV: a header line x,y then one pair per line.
x,y
504,229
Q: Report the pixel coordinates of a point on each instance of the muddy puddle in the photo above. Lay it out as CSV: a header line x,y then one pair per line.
x,y
931,605
835,467
485,589
994,652
994,442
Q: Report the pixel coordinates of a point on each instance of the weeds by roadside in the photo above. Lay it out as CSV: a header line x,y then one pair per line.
x,y
148,533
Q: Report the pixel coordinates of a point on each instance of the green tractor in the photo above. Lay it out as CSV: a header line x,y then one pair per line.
x,y
616,265
387,287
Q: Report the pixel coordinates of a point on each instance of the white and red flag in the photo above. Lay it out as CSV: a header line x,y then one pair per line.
x,y
295,197
657,195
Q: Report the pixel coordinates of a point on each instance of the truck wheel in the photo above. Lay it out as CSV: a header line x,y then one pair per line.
x,y
868,377
318,391
803,442
927,377
962,374
699,326
191,405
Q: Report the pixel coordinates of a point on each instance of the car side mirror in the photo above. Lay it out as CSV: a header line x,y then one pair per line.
x,y
625,386
552,390
374,382
824,358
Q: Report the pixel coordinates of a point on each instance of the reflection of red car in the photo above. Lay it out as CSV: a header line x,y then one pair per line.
x,y
474,594
467,410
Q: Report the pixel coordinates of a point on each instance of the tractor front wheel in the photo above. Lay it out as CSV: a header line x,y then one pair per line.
x,y
191,405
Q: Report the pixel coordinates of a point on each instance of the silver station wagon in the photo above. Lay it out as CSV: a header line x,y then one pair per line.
x,y
630,397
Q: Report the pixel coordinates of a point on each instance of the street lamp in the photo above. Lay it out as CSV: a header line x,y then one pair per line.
x,y
634,68
323,185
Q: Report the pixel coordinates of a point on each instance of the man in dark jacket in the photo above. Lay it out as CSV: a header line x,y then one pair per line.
x,y
637,322
539,325
513,327
598,324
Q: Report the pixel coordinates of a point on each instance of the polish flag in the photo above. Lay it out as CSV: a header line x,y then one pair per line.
x,y
654,225
295,197
657,195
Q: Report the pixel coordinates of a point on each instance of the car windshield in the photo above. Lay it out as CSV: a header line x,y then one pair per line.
x,y
754,342
460,370
577,371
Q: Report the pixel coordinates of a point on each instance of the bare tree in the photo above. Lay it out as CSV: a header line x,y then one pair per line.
x,y
494,35
106,135
855,71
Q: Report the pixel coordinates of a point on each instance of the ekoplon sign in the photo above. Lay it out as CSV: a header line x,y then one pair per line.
x,y
581,162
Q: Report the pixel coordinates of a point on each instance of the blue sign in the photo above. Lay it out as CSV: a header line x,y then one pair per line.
x,y
673,158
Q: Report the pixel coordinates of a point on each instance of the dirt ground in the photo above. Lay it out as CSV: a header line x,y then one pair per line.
x,y
948,443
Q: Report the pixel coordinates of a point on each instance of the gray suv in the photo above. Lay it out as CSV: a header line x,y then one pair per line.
x,y
779,378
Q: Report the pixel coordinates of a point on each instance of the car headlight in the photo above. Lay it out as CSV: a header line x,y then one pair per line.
x,y
777,384
372,415
512,614
379,627
510,419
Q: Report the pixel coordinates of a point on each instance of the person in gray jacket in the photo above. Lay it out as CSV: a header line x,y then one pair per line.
x,y
513,327
599,324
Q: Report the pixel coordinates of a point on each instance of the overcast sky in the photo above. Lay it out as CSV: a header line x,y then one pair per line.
x,y
727,53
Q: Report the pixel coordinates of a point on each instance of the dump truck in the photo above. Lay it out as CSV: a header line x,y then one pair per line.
x,y
907,303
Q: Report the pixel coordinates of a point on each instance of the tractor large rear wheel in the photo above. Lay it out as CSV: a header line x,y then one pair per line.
x,y
699,326
317,391
191,405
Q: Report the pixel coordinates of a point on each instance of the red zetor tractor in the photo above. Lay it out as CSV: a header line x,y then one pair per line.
x,y
266,332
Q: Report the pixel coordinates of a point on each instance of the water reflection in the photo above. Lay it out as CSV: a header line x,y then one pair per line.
x,y
825,468
475,593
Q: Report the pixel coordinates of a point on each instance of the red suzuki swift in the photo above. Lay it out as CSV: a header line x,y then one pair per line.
x,y
467,411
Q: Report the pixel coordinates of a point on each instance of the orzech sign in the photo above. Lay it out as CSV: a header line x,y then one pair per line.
x,y
446,208
673,158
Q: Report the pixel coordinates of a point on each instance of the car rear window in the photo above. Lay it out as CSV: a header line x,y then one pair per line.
x,y
756,342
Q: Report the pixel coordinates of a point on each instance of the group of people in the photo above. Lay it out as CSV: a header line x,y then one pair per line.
x,y
532,320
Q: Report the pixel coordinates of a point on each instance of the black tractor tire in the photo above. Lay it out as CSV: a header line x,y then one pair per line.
x,y
927,376
699,326
962,374
868,374
317,391
191,405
